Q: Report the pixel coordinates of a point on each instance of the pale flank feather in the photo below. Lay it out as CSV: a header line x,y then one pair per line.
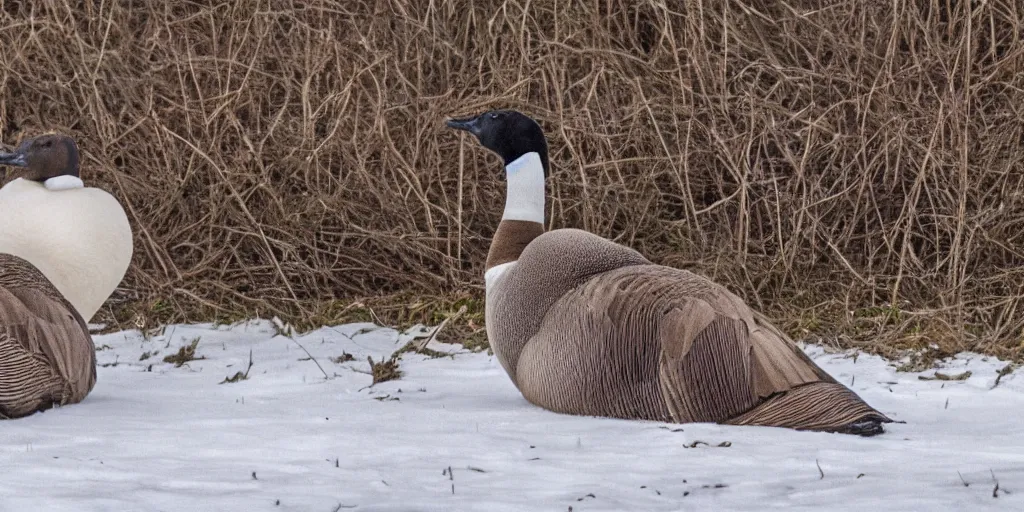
x,y
79,238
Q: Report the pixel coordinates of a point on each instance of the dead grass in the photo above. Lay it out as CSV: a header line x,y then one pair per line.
x,y
385,369
185,354
343,358
413,347
942,376
290,160
239,376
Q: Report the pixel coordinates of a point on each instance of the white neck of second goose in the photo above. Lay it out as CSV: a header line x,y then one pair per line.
x,y
524,199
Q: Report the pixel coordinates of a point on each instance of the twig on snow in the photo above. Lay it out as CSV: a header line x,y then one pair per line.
x,y
422,345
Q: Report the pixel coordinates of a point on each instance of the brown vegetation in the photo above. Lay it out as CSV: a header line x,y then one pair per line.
x,y
852,170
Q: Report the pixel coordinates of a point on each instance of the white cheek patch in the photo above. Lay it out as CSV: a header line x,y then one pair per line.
x,y
524,198
63,183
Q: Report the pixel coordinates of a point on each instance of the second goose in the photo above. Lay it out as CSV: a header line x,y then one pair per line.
x,y
64,248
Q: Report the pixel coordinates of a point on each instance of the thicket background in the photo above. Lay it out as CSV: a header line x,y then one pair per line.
x,y
852,168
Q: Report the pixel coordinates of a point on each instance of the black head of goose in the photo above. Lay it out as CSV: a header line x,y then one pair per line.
x,y
586,326
64,248
507,133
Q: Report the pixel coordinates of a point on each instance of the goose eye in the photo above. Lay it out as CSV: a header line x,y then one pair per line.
x,y
47,143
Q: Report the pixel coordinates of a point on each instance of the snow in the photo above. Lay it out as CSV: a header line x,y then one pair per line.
x,y
454,434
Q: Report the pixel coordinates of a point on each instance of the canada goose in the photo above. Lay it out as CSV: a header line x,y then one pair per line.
x,y
586,326
63,250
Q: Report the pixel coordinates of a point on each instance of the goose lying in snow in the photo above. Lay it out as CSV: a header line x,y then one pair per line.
x,y
63,250
586,326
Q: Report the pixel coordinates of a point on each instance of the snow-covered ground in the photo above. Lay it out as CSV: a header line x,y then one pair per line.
x,y
453,434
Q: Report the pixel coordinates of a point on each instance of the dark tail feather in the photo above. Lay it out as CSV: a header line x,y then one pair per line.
x,y
820,406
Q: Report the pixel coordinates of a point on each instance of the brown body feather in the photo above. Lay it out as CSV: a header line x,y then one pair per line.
x,y
586,326
47,356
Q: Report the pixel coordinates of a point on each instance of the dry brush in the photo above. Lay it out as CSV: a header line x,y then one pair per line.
x,y
850,168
